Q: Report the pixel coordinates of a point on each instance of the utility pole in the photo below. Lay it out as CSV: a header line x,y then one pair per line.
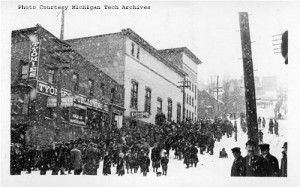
x,y
62,24
183,86
249,84
217,94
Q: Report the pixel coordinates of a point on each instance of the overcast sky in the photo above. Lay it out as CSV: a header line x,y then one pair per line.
x,y
208,29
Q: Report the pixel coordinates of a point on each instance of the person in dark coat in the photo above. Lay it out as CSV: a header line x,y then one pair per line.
x,y
271,126
193,155
129,163
145,163
90,164
106,164
223,154
16,160
120,165
270,163
237,168
44,162
263,122
276,127
135,162
76,160
253,164
260,136
283,165
164,163
155,158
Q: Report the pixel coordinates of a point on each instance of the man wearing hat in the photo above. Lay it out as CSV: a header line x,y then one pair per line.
x,y
237,168
283,166
252,163
76,159
270,163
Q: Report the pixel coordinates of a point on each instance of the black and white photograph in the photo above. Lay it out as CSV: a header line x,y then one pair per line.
x,y
149,93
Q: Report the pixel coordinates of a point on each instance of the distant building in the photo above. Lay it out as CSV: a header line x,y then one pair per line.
x,y
208,105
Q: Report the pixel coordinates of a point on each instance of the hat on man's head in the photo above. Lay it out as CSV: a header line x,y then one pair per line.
x,y
284,145
251,142
236,150
264,146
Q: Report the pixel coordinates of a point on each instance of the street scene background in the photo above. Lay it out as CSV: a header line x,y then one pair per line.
x,y
211,31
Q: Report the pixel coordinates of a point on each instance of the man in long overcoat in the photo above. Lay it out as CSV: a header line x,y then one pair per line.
x,y
76,160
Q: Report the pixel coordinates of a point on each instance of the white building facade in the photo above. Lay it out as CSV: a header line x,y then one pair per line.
x,y
150,81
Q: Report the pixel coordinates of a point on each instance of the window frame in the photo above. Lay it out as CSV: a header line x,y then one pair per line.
x,y
134,94
159,109
148,95
170,108
75,83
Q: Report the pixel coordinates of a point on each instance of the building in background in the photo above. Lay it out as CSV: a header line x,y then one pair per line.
x,y
208,105
41,65
149,79
184,59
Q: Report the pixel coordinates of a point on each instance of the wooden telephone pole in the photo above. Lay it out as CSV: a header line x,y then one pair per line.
x,y
183,86
62,24
217,90
251,115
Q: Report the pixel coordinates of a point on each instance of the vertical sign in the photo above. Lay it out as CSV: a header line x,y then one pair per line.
x,y
251,115
34,56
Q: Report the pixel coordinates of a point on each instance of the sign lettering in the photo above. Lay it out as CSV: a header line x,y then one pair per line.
x,y
34,60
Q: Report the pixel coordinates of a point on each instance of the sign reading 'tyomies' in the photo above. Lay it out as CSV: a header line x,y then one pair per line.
x,y
34,60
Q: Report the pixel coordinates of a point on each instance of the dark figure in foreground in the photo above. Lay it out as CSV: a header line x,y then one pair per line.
x,y
237,168
270,163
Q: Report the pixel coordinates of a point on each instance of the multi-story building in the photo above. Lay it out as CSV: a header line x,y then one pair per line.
x,y
42,66
184,59
150,80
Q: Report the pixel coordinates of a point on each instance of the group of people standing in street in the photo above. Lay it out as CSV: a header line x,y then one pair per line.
x,y
126,148
258,162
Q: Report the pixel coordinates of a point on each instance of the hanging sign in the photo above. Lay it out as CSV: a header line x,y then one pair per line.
x,y
33,60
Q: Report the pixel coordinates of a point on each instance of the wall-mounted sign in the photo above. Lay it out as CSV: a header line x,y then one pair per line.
x,y
78,116
51,90
139,114
65,101
34,56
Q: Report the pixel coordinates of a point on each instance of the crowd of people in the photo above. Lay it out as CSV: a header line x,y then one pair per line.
x,y
127,148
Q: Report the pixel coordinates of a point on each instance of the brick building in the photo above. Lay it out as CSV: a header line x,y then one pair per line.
x,y
188,62
150,80
90,99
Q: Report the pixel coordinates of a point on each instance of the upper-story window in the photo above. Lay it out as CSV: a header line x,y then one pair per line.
x,y
192,101
138,53
23,69
91,87
134,94
75,81
113,94
148,100
178,112
169,109
159,105
102,87
132,49
192,87
52,76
